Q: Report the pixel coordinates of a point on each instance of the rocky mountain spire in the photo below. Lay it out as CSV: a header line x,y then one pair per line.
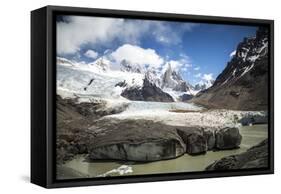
x,y
172,79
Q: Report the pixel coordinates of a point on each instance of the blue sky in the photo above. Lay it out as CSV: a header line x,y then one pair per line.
x,y
198,51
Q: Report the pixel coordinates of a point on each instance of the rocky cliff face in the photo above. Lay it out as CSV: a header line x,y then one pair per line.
x,y
243,84
148,92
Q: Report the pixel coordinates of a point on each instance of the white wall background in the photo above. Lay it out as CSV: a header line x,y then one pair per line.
x,y
15,94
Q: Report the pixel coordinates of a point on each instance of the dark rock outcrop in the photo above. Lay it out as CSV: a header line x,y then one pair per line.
x,y
255,157
148,92
254,119
194,139
199,140
243,84
186,97
228,138
196,144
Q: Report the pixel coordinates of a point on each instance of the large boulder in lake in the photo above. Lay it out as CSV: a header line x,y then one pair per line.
x,y
228,138
193,137
196,144
133,140
209,135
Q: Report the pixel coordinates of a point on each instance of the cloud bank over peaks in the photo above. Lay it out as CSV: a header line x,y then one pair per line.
x,y
137,55
208,77
74,32
205,79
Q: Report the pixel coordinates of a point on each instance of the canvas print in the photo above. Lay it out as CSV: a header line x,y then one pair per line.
x,y
141,97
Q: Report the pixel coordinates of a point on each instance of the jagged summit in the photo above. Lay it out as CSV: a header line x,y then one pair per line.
x,y
148,92
172,79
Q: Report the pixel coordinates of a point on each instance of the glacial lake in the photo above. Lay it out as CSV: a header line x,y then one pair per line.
x,y
80,167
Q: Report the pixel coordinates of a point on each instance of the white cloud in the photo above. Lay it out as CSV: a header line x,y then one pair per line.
x,y
197,68
208,77
165,33
232,54
183,63
137,55
175,65
184,69
198,75
91,54
184,57
185,60
80,30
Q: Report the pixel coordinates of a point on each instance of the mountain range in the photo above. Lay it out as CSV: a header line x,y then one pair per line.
x,y
131,81
242,85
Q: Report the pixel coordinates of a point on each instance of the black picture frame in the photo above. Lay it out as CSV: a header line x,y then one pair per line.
x,y
43,95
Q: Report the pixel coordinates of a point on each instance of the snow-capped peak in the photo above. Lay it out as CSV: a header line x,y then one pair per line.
x,y
129,75
101,63
153,77
172,79
248,53
127,66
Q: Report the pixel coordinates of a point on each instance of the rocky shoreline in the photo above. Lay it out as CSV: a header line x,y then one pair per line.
x,y
254,157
